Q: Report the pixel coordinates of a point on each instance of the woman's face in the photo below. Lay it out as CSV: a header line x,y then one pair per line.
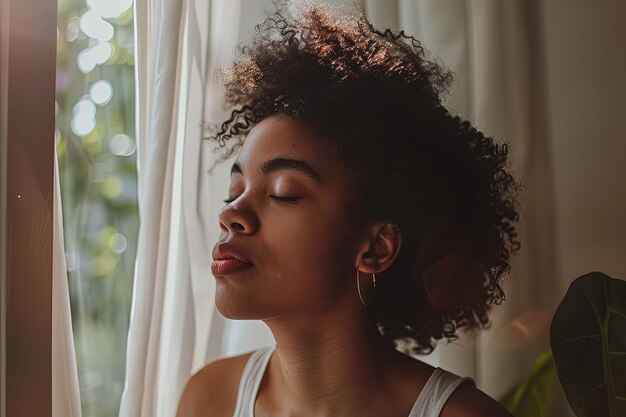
x,y
289,218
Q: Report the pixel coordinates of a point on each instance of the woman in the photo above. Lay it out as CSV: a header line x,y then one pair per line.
x,y
364,222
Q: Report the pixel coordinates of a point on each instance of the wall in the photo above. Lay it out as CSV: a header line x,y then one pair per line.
x,y
586,69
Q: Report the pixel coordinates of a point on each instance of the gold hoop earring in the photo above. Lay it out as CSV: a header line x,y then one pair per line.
x,y
358,286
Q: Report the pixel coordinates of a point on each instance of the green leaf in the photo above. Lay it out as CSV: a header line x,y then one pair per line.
x,y
532,397
588,339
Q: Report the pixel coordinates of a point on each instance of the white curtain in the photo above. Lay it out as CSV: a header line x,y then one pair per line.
x,y
174,327
495,50
65,391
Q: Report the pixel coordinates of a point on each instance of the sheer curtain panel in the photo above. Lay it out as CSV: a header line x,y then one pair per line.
x,y
65,388
178,46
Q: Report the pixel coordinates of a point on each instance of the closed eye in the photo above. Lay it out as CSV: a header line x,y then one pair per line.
x,y
275,197
289,200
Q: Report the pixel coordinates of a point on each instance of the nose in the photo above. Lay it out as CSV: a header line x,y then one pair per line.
x,y
236,218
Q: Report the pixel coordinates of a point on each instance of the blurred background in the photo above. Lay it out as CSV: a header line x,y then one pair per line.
x,y
95,142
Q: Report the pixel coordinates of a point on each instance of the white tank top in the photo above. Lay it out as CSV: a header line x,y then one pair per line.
x,y
429,403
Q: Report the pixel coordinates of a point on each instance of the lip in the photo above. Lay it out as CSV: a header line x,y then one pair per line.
x,y
226,250
228,259
228,266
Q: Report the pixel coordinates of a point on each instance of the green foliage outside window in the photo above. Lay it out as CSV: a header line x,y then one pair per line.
x,y
95,141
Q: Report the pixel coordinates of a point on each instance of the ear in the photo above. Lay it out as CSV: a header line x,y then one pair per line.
x,y
379,248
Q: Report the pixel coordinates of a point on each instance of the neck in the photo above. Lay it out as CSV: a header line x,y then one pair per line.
x,y
325,365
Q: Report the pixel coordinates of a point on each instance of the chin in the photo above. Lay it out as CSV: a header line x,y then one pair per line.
x,y
235,308
232,314
228,309
247,303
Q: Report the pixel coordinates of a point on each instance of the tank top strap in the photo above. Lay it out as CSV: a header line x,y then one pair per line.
x,y
436,392
430,401
251,380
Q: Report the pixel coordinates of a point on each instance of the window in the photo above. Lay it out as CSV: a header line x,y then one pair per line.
x,y
97,168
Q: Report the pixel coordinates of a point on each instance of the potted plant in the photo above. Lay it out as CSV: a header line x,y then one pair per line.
x,y
588,353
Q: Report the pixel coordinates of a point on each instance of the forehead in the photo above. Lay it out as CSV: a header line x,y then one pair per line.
x,y
279,136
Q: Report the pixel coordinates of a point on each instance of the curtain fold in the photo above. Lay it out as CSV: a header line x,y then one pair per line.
x,y
159,34
171,332
65,388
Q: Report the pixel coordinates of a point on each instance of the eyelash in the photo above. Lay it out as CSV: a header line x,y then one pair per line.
x,y
288,200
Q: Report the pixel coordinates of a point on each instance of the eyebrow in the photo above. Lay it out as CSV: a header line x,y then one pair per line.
x,y
277,164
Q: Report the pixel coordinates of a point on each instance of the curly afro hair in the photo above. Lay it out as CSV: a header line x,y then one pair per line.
x,y
378,96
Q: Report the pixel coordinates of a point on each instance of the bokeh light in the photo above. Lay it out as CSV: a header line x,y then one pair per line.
x,y
105,234
122,145
93,25
112,187
110,8
96,55
73,29
117,243
84,118
101,92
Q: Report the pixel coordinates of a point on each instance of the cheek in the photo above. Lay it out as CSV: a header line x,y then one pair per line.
x,y
305,268
312,259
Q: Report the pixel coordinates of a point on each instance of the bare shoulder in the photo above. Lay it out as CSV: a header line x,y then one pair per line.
x,y
469,401
213,389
